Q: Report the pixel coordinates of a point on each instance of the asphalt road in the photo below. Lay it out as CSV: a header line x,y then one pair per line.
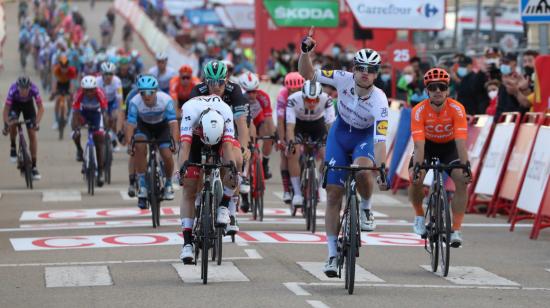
x,y
60,247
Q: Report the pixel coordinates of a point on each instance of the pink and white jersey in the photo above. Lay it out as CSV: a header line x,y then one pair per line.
x,y
282,100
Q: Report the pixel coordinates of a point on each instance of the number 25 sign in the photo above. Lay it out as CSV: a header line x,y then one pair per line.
x,y
400,53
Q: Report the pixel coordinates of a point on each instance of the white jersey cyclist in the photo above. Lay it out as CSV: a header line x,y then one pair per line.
x,y
191,113
359,113
361,122
297,110
113,91
162,111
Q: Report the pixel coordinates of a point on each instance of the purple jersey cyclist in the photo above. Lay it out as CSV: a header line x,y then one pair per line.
x,y
22,96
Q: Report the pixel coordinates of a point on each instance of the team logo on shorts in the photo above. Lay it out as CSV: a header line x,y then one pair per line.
x,y
382,127
328,74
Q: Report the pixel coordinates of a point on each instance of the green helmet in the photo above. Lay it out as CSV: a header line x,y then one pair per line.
x,y
123,60
215,70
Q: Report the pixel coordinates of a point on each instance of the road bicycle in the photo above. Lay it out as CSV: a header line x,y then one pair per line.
x,y
108,156
257,178
438,214
154,176
24,162
90,166
349,240
207,233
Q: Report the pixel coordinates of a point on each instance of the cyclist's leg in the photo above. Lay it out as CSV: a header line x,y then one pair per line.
x,y
460,198
293,157
96,122
363,155
266,128
75,125
416,195
285,176
337,155
230,181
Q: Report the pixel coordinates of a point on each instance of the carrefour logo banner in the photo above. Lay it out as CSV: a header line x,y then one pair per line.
x,y
399,14
303,13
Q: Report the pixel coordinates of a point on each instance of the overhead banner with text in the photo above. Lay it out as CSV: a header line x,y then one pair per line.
x,y
399,14
303,13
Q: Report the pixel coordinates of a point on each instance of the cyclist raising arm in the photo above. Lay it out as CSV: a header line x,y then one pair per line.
x,y
439,129
359,130
21,96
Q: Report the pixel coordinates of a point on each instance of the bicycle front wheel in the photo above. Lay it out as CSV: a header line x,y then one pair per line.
x,y
90,175
27,165
352,245
206,220
108,158
432,231
153,194
260,189
219,244
444,234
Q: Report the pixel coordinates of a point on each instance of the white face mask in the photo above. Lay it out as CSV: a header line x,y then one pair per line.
x,y
408,78
492,94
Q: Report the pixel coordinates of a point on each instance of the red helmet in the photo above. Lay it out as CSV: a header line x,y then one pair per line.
x,y
436,75
294,81
186,69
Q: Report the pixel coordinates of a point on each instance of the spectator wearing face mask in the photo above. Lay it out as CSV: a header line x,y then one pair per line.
x,y
410,86
470,87
492,87
529,67
514,89
383,81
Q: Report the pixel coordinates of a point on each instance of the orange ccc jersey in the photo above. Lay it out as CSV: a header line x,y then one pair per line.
x,y
66,76
439,127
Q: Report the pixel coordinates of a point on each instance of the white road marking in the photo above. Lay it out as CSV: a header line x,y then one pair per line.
x,y
125,197
77,276
471,275
296,288
241,244
316,269
421,286
61,196
548,270
317,304
226,272
253,254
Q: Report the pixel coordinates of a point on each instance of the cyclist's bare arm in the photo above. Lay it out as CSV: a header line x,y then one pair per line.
x,y
305,67
130,128
462,151
281,128
290,131
6,113
418,152
174,130
39,113
184,152
380,153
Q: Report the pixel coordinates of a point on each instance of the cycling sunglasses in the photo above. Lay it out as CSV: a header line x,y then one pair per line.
x,y
311,100
108,74
147,92
252,92
185,77
366,69
432,87
215,82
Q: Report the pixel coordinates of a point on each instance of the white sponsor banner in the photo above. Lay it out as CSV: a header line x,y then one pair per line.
x,y
399,14
161,239
494,159
538,172
239,17
486,123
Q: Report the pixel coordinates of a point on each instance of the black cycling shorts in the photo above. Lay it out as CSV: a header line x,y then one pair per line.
x,y
63,88
446,152
28,111
159,131
310,130
195,155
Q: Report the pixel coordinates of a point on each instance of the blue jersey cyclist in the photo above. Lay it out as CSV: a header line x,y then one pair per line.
x,y
151,115
357,136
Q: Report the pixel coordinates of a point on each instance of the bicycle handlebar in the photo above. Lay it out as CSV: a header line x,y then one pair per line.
x,y
354,169
133,141
440,167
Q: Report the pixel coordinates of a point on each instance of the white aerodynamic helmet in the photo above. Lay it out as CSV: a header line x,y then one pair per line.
x,y
249,81
88,82
311,90
367,57
212,127
108,67
161,56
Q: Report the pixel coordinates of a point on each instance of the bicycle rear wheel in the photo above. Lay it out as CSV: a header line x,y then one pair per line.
x,y
219,244
90,175
444,234
307,197
351,254
260,189
253,187
313,208
27,166
206,229
108,158
432,238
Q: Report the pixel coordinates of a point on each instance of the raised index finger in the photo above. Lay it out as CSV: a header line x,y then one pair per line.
x,y
311,31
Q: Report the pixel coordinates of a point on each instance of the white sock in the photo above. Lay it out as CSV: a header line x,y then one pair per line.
x,y
232,207
295,180
366,204
198,200
332,245
187,223
228,192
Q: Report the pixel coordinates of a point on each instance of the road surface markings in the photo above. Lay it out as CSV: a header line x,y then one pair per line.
x,y
412,286
175,238
253,254
316,269
226,272
77,276
61,196
548,270
296,288
317,304
471,275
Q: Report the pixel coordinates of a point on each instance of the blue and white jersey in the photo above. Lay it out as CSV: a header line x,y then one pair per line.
x,y
162,110
358,112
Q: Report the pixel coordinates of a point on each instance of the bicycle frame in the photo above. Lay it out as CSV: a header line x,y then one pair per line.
x,y
23,156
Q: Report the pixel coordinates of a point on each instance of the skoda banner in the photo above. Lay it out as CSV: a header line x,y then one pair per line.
x,y
303,13
399,14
